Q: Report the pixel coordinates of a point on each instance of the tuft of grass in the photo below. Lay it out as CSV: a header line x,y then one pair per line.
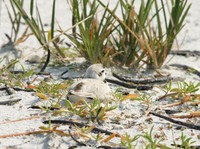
x,y
186,142
91,37
91,111
142,39
15,19
152,142
130,40
127,140
36,26
182,88
15,80
53,90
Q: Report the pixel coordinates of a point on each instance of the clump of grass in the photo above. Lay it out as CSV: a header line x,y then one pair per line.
x,y
130,33
91,111
15,80
15,20
186,142
127,141
182,89
36,26
92,37
142,39
151,141
51,89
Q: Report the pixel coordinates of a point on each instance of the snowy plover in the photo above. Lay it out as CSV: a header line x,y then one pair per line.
x,y
93,85
95,71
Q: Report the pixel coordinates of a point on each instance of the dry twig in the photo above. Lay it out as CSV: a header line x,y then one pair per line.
x,y
143,81
186,99
25,133
65,122
191,126
18,120
191,115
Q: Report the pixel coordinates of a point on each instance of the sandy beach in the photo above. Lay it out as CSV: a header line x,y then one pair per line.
x,y
130,117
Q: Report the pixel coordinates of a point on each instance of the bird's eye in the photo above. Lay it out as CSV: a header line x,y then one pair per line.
x,y
100,74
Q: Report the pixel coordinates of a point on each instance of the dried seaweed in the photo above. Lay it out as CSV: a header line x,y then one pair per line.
x,y
143,81
130,85
44,107
185,53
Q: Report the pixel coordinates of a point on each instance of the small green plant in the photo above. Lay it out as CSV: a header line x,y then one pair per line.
x,y
92,110
118,95
51,129
127,140
53,90
146,99
186,142
12,79
98,137
152,142
182,89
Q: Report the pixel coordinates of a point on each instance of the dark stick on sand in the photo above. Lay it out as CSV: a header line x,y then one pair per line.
x,y
191,126
47,61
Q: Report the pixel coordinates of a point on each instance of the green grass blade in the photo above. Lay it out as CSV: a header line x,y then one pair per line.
x,y
53,18
31,7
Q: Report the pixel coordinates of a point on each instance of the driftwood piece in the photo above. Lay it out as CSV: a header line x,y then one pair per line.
x,y
191,126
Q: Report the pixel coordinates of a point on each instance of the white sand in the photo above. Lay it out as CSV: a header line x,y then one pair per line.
x,y
129,111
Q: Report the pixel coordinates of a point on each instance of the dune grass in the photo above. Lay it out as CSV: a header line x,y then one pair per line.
x,y
140,38
145,37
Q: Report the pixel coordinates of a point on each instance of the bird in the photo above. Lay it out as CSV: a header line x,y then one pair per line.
x,y
92,86
95,71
